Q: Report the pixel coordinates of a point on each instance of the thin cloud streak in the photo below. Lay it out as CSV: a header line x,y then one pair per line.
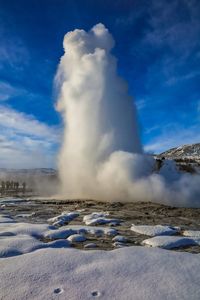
x,y
25,142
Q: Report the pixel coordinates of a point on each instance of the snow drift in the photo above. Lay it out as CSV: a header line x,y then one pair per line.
x,y
101,156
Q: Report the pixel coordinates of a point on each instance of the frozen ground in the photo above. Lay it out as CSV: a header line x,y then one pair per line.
x,y
125,274
113,216
41,260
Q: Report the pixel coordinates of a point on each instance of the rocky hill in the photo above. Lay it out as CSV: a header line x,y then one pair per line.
x,y
186,151
187,157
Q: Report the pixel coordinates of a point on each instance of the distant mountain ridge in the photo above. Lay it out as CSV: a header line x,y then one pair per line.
x,y
190,151
187,157
30,171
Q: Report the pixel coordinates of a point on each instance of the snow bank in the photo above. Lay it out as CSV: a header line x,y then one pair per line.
x,y
120,239
76,238
9,200
95,230
90,245
6,219
170,242
20,238
35,230
119,244
58,234
154,230
192,233
132,273
96,218
64,218
21,244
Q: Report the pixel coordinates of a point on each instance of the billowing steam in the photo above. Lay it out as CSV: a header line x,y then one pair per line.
x,y
101,157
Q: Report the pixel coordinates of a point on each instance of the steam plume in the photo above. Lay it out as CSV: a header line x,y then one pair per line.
x,y
101,157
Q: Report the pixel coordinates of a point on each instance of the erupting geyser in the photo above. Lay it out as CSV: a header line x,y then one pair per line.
x,y
101,156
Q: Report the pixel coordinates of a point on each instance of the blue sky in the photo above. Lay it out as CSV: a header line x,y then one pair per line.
x,y
158,51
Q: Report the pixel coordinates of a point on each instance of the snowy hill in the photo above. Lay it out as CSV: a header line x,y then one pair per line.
x,y
187,157
186,151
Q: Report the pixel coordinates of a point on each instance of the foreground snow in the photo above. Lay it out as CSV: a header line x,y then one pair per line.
x,y
170,242
192,233
21,238
128,273
64,218
35,267
96,218
154,230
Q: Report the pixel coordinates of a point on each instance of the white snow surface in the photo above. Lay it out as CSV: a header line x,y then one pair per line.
x,y
54,271
130,273
94,230
35,230
51,232
90,245
96,218
119,244
10,200
76,238
192,233
6,219
154,230
20,244
170,242
120,239
64,218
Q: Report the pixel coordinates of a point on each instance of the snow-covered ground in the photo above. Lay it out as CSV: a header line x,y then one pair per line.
x,y
99,218
153,230
64,218
124,274
39,261
171,242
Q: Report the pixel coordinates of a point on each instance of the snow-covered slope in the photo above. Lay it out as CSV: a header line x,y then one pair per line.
x,y
186,151
187,157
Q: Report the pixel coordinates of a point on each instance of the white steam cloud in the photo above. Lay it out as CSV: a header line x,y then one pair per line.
x,y
101,157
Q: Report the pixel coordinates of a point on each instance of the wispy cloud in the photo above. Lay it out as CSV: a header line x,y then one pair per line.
x,y
176,79
26,142
8,91
169,28
198,106
173,135
173,32
13,52
140,104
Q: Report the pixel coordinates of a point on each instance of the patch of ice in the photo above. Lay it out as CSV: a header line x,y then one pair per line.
x,y
170,242
35,230
96,218
6,219
24,215
154,230
76,238
119,245
192,233
59,234
20,244
64,218
120,239
90,246
11,200
94,230
81,210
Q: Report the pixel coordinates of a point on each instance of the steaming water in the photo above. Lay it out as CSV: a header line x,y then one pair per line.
x,y
101,156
